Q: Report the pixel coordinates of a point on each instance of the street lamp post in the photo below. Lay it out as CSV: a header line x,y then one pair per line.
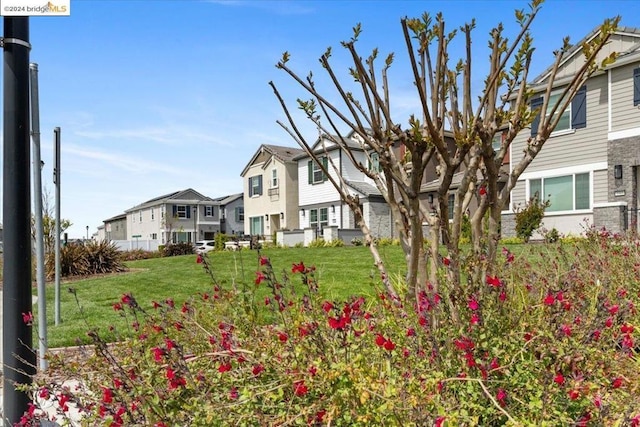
x,y
195,219
87,232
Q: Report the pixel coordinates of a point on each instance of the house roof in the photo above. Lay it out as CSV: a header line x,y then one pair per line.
x,y
318,148
119,217
577,48
225,200
282,153
176,195
364,188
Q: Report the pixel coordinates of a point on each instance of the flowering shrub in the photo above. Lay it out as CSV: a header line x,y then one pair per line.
x,y
551,338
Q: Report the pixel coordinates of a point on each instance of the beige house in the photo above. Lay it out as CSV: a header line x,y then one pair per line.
x,y
589,166
271,190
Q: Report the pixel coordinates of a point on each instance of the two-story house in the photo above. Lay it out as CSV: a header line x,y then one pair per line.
x,y
271,190
231,214
320,202
588,168
181,216
115,228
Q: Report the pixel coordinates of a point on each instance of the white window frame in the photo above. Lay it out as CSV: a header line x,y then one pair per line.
x,y
573,186
375,163
153,217
255,186
317,174
181,211
208,211
558,130
274,178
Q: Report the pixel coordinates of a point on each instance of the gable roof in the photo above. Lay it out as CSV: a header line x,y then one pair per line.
x,y
576,49
364,188
116,218
282,153
225,200
184,195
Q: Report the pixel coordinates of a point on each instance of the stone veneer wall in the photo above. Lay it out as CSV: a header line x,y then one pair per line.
x,y
625,152
508,225
613,218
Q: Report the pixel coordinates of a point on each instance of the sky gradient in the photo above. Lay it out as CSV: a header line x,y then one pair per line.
x,y
155,96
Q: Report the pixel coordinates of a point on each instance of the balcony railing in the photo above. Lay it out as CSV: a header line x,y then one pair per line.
x,y
274,191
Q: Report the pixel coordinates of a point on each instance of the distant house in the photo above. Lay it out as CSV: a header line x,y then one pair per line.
x,y
181,216
319,201
271,190
231,214
115,228
588,168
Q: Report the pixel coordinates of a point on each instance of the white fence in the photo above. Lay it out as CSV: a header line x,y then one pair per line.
x,y
130,245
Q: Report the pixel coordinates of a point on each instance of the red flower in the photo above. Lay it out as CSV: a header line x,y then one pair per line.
x,y
573,394
609,322
440,421
411,332
257,369
475,319
473,304
107,395
549,299
482,191
298,268
626,328
126,299
157,353
156,305
259,277
178,326
566,330
170,344
299,388
233,393
635,421
493,281
614,309
199,259
528,336
494,363
446,261
501,396
339,322
503,296
264,260
27,318
224,367
559,379
117,306
44,393
616,383
380,340
389,345
283,337
327,306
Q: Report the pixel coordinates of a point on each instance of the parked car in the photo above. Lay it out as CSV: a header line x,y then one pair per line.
x,y
205,246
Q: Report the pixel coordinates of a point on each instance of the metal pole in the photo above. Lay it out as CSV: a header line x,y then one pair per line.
x,y
37,213
56,181
19,357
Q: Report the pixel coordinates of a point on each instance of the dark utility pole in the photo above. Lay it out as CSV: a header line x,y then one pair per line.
x,y
18,354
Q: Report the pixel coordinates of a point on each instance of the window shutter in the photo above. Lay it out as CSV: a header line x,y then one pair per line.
x,y
259,185
579,109
325,162
237,213
175,211
535,103
188,208
636,86
251,187
310,171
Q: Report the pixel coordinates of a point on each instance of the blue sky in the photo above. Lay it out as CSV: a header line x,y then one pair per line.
x,y
155,96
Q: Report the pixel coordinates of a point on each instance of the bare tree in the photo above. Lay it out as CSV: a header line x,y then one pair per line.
x,y
448,112
49,223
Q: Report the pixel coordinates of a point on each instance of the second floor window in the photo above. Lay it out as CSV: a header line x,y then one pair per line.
x,y
274,178
255,185
374,165
239,211
451,203
574,117
181,211
140,216
153,217
315,171
208,211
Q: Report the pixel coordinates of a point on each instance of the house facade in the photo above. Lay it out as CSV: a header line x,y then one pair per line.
x,y
181,216
231,214
320,204
588,168
271,191
115,228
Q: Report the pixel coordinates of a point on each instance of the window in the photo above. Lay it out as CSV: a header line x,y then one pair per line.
x,y
208,211
274,178
451,201
374,163
564,193
315,171
181,211
318,218
239,213
154,236
153,217
162,214
255,225
636,87
255,186
574,117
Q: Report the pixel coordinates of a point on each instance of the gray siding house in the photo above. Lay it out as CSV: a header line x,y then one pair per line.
x,y
115,228
231,214
588,168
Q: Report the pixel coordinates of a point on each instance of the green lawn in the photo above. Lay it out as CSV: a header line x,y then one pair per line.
x,y
341,272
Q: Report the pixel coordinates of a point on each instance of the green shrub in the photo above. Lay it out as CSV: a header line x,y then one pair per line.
x,y
551,236
357,242
317,243
220,240
335,243
511,241
136,254
529,218
83,259
550,339
176,249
